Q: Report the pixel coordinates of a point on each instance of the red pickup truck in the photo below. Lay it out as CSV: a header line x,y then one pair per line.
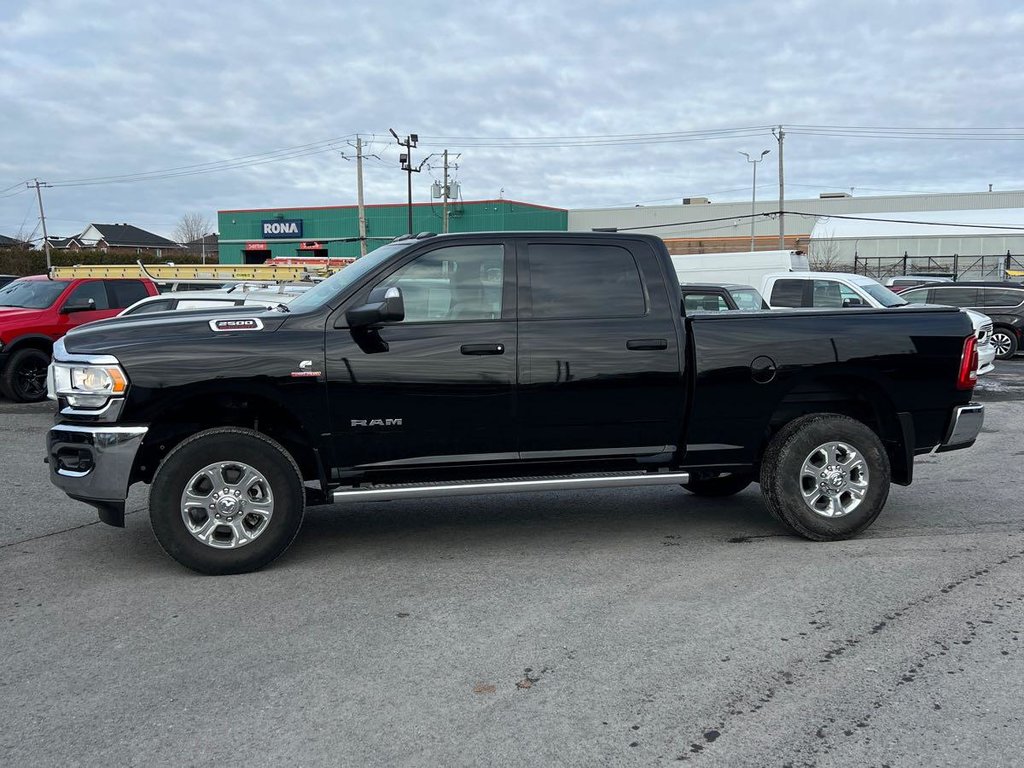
x,y
36,311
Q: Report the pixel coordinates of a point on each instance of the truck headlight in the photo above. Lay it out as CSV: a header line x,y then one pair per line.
x,y
89,386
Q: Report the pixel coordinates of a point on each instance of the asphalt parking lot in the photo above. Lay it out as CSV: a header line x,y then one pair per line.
x,y
628,627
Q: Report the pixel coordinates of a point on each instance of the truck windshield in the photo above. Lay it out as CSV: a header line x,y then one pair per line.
x,y
882,295
31,294
321,293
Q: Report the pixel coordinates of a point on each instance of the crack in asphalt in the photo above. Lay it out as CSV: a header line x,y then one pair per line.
x,y
64,530
753,702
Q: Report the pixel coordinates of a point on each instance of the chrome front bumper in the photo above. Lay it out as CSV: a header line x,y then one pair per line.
x,y
94,464
964,427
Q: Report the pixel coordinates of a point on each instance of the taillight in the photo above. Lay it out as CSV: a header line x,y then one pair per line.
x,y
968,375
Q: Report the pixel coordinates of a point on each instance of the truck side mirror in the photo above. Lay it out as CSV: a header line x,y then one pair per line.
x,y
383,305
78,305
847,303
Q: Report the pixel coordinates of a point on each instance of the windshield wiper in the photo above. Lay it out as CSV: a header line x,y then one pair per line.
x,y
282,308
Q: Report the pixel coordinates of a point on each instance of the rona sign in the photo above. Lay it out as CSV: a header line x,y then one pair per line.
x,y
282,228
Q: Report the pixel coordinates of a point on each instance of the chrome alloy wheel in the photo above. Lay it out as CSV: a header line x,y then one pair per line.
x,y
834,479
226,505
1002,342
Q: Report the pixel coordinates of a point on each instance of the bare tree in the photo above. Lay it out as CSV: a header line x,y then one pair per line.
x,y
825,255
191,229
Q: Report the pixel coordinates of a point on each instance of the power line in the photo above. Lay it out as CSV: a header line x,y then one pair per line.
x,y
213,165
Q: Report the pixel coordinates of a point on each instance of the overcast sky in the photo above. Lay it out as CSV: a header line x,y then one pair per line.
x,y
98,88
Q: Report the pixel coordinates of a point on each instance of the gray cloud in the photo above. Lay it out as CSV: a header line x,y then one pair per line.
x,y
106,87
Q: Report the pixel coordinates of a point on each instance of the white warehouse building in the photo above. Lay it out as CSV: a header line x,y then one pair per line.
x,y
987,228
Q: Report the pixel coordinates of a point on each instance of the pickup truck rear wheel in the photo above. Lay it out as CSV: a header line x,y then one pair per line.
x,y
227,500
825,476
24,376
718,485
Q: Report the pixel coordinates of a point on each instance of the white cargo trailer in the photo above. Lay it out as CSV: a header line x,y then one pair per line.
x,y
744,267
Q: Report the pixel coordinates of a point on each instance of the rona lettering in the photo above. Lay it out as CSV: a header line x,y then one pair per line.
x,y
376,422
288,227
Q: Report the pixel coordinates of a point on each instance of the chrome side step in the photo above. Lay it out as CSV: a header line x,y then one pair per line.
x,y
476,487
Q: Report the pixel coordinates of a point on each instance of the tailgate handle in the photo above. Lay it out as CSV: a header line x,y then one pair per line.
x,y
637,344
482,349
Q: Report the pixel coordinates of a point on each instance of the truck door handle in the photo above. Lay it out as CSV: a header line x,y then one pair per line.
x,y
482,349
638,344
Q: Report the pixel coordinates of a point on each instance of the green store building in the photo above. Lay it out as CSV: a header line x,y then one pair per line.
x,y
252,236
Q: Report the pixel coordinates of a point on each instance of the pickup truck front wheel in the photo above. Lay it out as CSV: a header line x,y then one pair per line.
x,y
825,476
227,500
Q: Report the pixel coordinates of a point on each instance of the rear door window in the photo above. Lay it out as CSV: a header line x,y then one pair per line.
x,y
956,296
788,293
578,280
704,302
124,293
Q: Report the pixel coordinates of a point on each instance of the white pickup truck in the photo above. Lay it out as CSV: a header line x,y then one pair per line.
x,y
843,289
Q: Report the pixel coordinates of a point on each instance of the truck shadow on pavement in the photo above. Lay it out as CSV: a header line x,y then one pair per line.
x,y
663,518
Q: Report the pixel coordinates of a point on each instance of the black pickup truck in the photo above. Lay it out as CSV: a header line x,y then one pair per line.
x,y
485,363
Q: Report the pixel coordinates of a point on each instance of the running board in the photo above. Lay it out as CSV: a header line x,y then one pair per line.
x,y
472,488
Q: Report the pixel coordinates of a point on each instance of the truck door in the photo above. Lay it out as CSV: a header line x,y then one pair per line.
x,y
599,358
439,386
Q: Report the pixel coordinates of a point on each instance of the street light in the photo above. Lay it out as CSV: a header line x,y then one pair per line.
x,y
753,192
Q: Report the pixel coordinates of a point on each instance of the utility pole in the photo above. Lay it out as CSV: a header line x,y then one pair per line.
x,y
406,160
42,217
753,193
359,192
444,191
782,193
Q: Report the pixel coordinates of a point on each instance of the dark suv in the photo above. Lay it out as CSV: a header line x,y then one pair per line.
x,y
1003,302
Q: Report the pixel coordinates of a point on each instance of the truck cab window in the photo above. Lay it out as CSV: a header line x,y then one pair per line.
x,y
704,302
579,281
788,293
93,289
124,293
458,283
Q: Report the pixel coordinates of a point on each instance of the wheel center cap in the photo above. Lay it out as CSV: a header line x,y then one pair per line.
x,y
227,505
836,480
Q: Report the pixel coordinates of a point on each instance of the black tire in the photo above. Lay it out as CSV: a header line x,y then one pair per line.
x,y
226,445
783,479
1005,342
718,485
24,376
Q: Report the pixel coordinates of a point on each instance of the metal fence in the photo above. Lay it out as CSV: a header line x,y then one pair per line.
x,y
987,267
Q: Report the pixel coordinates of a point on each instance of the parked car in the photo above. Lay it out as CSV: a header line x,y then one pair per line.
x,y
36,311
902,282
579,372
183,300
840,289
1003,302
706,297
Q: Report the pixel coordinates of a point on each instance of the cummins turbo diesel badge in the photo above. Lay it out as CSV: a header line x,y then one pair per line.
x,y
242,324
